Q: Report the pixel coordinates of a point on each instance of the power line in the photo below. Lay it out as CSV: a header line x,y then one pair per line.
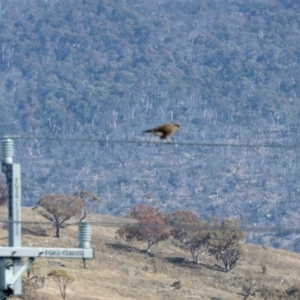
x,y
112,224
178,226
192,144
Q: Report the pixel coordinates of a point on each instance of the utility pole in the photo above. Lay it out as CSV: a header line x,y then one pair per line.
x,y
11,267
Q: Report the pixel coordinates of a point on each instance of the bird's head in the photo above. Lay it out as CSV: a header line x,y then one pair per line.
x,y
177,125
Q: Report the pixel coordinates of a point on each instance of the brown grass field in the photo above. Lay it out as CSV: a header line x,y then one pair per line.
x,y
121,270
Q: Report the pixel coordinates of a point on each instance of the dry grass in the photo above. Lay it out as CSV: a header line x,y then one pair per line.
x,y
122,271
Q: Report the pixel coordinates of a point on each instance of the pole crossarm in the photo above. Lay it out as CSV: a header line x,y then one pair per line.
x,y
46,252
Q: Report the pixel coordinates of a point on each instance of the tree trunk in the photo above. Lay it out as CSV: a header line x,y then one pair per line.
x,y
83,215
227,264
246,297
149,246
195,257
57,229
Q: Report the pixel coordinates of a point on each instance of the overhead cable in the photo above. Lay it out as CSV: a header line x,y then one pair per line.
x,y
254,229
192,144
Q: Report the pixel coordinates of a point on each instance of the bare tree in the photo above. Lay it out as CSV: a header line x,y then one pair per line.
x,y
187,232
250,287
90,201
62,279
59,208
250,284
150,227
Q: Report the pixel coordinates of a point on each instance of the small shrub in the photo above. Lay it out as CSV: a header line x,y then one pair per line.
x,y
177,285
146,268
62,279
269,293
293,292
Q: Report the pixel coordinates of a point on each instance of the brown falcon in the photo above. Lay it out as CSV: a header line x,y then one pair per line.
x,y
164,130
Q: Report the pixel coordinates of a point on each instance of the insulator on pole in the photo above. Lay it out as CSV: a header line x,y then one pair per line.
x,y
7,151
85,234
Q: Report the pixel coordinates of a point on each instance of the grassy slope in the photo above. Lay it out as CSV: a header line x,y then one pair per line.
x,y
109,275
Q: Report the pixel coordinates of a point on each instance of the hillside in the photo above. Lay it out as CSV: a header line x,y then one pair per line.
x,y
121,271
227,71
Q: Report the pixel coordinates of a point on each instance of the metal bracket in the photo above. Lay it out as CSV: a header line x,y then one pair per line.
x,y
22,270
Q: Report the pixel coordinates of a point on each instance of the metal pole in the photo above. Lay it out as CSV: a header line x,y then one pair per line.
x,y
13,176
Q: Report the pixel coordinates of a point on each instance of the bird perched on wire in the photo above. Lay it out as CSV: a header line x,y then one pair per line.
x,y
165,130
